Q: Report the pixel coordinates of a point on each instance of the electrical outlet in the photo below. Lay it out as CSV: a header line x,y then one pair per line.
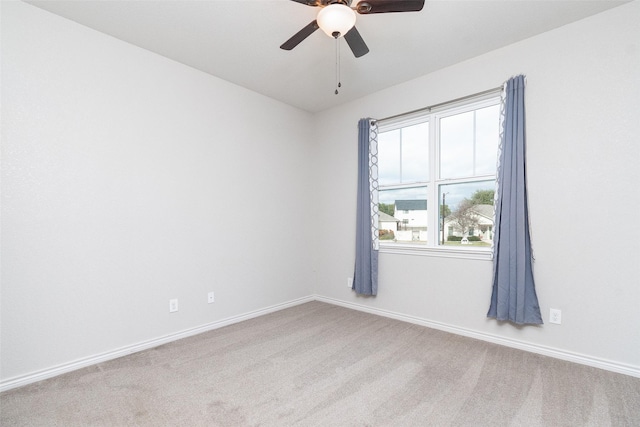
x,y
555,316
173,305
210,297
350,282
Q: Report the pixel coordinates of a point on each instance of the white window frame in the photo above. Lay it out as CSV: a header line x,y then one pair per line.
x,y
433,116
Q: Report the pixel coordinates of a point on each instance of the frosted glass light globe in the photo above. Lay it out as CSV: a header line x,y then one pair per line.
x,y
336,18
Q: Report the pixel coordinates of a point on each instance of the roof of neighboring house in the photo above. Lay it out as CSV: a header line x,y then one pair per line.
x,y
383,217
411,205
484,210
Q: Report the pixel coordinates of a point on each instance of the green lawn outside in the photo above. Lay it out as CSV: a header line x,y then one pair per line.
x,y
468,244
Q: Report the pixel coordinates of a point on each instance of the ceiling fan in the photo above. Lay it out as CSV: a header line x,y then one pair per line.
x,y
337,18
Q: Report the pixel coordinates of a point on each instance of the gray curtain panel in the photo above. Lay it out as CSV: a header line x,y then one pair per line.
x,y
365,276
514,296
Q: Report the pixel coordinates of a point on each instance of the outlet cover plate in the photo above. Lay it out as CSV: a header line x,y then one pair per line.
x,y
211,298
173,305
555,316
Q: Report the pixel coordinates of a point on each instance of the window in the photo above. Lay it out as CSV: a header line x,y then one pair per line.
x,y
436,176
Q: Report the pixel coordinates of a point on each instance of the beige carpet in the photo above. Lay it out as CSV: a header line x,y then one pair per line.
x,y
322,365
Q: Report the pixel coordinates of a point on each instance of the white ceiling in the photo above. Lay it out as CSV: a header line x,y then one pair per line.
x,y
238,40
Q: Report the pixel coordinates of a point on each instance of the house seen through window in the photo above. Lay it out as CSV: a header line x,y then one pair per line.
x,y
436,175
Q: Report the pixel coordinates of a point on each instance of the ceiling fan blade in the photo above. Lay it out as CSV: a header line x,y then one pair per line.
x,y
356,43
300,35
314,3
366,7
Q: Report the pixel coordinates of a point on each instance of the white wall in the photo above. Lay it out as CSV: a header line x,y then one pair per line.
x,y
129,179
125,176
583,100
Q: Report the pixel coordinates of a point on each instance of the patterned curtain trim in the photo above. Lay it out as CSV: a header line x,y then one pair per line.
x,y
496,219
373,184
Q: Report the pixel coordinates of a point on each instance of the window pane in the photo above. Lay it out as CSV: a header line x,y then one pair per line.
x,y
403,215
487,139
415,153
456,145
389,157
467,210
403,155
469,143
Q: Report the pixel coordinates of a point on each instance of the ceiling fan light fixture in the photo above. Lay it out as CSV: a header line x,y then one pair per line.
x,y
336,18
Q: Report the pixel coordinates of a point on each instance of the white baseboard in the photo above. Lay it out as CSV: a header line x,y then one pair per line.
x,y
22,380
595,362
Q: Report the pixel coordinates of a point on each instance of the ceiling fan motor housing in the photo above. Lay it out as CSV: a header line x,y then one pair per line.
x,y
363,7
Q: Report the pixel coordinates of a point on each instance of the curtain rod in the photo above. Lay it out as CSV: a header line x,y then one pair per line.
x,y
425,109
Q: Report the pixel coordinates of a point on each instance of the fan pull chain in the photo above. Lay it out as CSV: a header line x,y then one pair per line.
x,y
338,84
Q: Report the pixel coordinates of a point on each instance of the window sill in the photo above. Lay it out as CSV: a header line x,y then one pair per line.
x,y
409,249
